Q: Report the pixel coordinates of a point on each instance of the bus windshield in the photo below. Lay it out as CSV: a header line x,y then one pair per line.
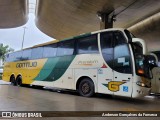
x,y
141,62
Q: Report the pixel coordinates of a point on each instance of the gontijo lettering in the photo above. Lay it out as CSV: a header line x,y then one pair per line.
x,y
26,64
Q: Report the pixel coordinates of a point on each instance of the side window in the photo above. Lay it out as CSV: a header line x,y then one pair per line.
x,y
107,47
18,56
26,55
12,57
37,53
9,57
88,45
65,48
122,58
50,50
15,56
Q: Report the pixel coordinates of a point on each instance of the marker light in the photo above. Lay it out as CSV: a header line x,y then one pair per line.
x,y
140,71
140,84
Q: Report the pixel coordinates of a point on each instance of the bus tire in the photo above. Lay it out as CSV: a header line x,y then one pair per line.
x,y
13,80
19,81
86,87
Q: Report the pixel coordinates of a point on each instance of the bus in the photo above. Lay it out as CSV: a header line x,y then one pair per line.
x,y
155,82
106,61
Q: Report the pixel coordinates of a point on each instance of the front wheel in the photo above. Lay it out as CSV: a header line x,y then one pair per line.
x,y
86,87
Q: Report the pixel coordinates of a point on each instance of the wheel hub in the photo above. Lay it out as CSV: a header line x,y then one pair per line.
x,y
85,88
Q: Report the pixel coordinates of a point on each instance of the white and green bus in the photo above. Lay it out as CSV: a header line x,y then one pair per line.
x,y
105,61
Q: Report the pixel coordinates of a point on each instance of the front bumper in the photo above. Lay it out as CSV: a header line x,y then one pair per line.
x,y
139,91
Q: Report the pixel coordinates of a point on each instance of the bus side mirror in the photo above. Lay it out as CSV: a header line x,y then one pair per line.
x,y
128,36
154,57
152,61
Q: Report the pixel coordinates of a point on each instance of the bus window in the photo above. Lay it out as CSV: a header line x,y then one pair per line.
x,y
65,48
37,53
26,55
122,62
115,51
6,59
107,47
88,45
18,56
15,56
119,38
11,57
50,50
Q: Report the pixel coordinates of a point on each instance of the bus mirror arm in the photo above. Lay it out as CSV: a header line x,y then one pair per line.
x,y
130,40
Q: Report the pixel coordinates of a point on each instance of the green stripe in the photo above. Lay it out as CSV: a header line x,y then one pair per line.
x,y
54,68
77,37
106,85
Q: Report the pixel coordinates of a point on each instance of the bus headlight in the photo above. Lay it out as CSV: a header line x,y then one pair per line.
x,y
140,84
143,85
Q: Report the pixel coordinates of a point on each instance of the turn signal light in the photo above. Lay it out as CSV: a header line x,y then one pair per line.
x,y
140,71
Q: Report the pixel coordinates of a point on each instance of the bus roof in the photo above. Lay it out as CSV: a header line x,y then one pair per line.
x,y
47,43
109,29
79,36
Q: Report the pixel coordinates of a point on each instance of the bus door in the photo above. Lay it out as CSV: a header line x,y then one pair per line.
x,y
122,84
105,76
122,65
105,72
118,75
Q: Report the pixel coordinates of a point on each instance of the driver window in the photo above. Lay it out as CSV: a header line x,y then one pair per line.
x,y
122,62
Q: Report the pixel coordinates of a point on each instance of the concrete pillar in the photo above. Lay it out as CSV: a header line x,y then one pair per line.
x,y
106,20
